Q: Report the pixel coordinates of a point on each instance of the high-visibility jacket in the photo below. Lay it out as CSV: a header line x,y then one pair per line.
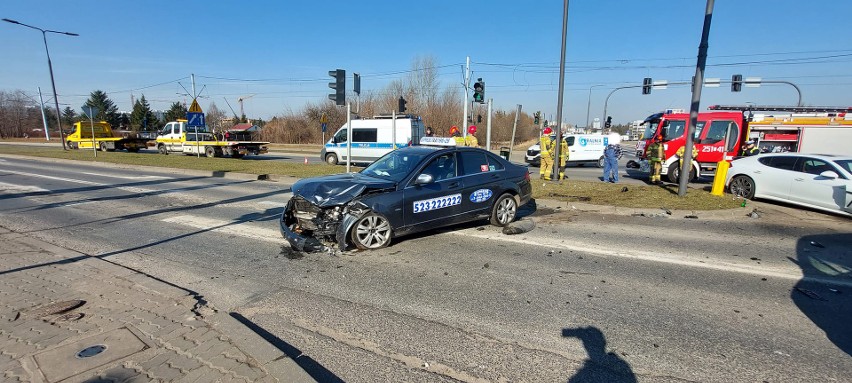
x,y
546,145
563,153
471,141
655,152
682,151
459,140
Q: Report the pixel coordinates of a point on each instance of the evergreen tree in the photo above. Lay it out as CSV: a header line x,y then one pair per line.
x,y
107,111
69,117
177,111
142,118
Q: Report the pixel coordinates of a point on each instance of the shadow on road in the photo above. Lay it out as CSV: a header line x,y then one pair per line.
x,y
601,366
823,258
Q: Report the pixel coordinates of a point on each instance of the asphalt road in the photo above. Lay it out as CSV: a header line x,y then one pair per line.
x,y
583,297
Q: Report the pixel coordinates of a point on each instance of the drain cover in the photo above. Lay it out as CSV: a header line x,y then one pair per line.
x,y
91,351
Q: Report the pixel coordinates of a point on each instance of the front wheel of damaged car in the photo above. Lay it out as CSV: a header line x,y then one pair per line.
x,y
371,231
504,211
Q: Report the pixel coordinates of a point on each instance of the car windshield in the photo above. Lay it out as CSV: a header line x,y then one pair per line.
x,y
650,130
394,165
845,165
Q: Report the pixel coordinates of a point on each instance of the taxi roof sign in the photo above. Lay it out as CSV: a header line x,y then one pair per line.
x,y
194,108
438,141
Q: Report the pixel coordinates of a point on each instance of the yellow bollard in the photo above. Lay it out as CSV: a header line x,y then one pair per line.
x,y
719,178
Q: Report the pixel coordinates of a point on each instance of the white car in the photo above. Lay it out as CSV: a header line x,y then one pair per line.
x,y
817,181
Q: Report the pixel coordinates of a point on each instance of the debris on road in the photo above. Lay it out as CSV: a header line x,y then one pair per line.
x,y
691,216
753,214
668,212
520,226
481,228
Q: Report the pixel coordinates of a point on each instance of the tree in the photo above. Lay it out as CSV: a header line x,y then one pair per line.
x,y
107,111
177,111
69,116
142,118
214,117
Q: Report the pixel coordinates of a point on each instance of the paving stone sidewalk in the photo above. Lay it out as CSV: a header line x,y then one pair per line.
x,y
69,317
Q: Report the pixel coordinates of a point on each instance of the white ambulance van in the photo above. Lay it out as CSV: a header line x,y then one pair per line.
x,y
372,138
582,148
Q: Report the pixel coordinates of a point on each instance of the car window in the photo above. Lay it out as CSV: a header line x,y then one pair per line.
x,y
364,135
395,165
494,162
570,140
340,136
778,162
815,166
673,129
442,167
472,162
717,131
845,165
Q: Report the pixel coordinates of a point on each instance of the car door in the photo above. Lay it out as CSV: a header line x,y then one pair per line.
x,y
809,187
481,179
437,203
774,179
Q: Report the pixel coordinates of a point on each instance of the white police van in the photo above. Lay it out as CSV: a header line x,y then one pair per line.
x,y
581,148
372,138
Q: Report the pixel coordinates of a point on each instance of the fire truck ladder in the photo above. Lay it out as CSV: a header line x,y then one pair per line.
x,y
778,108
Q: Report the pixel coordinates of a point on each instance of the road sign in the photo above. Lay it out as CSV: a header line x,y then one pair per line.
x,y
324,119
90,111
194,107
324,126
195,119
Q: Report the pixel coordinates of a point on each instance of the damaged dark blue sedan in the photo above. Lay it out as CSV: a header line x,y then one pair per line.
x,y
409,190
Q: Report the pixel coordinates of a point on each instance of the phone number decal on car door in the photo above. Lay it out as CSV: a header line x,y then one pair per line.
x,y
437,203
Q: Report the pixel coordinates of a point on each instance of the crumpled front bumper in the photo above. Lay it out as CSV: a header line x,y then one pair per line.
x,y
309,244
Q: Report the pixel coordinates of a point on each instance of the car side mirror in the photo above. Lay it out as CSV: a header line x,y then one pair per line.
x,y
424,179
829,174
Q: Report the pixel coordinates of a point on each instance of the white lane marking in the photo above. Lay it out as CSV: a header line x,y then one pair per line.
x,y
21,188
125,177
243,229
54,178
788,274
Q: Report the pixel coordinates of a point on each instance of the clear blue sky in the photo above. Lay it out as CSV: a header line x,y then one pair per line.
x,y
287,47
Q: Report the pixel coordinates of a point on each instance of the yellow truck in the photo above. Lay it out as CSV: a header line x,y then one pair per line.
x,y
104,139
177,137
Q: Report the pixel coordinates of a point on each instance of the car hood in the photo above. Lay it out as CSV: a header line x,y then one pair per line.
x,y
338,189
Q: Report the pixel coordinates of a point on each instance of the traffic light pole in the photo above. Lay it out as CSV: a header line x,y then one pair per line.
x,y
348,137
488,123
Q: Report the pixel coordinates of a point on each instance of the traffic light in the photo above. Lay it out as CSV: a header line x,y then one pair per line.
x,y
339,86
646,85
736,83
608,123
537,117
402,103
479,91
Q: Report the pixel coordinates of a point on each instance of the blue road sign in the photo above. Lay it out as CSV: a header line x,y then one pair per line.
x,y
324,125
194,119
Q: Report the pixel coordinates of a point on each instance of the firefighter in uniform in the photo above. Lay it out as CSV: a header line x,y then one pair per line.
x,y
471,140
681,152
546,144
563,157
655,157
454,132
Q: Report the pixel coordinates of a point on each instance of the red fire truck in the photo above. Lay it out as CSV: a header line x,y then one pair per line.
x,y
721,132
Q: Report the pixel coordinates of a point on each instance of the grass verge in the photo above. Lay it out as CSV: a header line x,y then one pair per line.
x,y
598,193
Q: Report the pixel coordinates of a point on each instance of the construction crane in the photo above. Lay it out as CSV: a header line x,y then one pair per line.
x,y
240,100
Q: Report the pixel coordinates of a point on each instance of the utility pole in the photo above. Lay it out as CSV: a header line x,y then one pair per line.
x,y
558,145
43,116
466,95
686,165
488,123
514,128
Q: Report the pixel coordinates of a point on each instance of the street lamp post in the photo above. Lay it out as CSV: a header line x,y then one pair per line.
x,y
50,67
589,105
